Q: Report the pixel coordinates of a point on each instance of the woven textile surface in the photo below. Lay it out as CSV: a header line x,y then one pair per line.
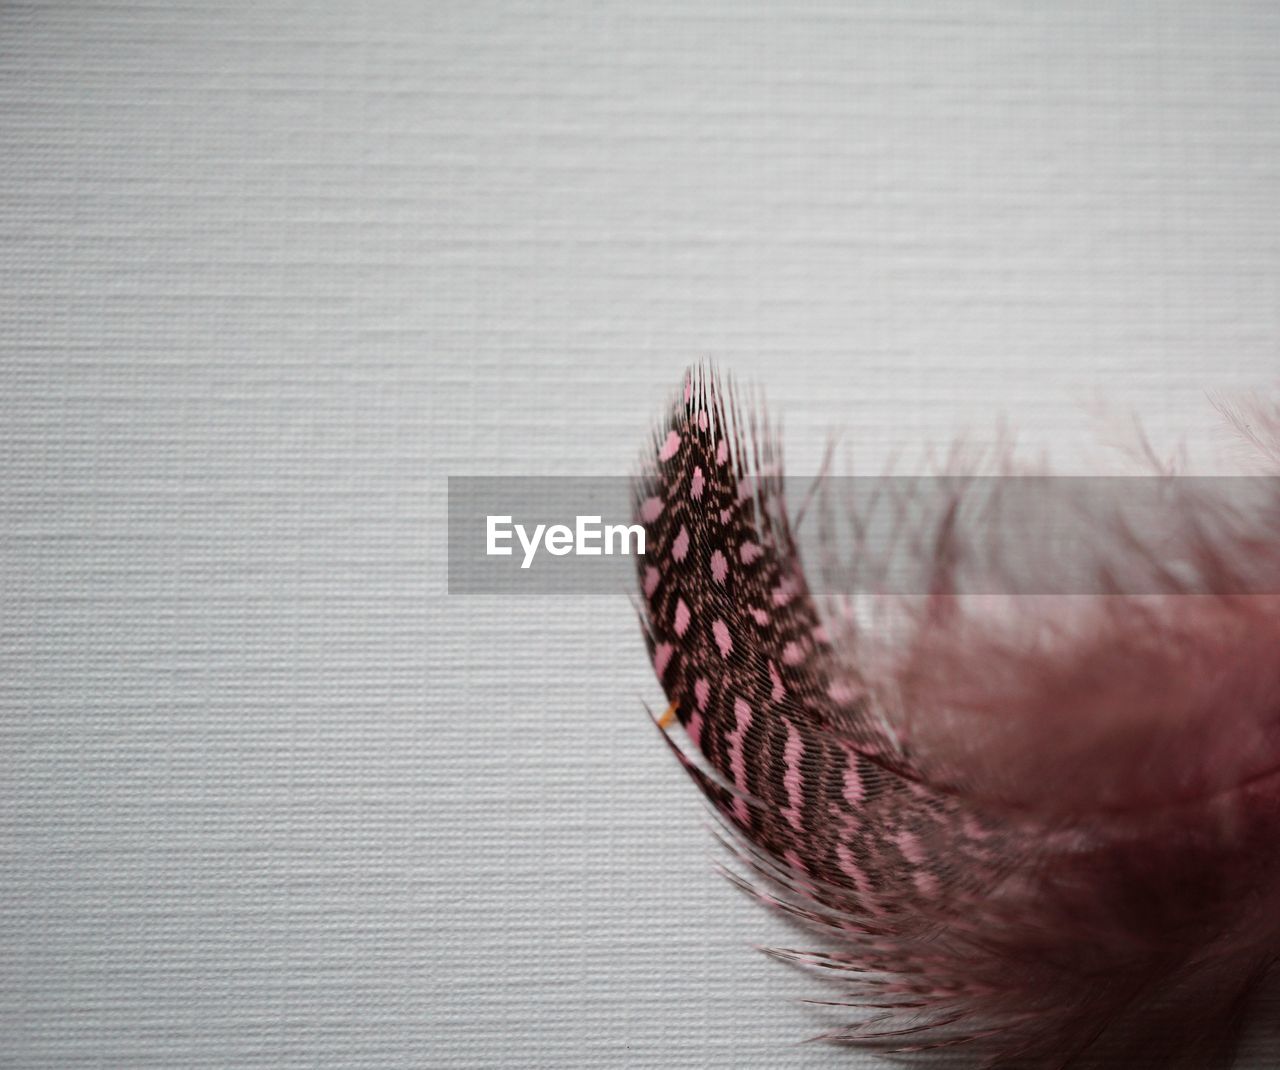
x,y
273,271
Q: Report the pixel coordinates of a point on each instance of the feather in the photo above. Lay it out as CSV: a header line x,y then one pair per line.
x,y
1040,828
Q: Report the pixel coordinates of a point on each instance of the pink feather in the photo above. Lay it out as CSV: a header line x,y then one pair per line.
x,y
1043,827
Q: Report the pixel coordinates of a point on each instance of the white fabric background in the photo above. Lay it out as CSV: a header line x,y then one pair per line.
x,y
271,271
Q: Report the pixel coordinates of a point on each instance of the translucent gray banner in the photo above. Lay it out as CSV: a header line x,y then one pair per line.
x,y
900,535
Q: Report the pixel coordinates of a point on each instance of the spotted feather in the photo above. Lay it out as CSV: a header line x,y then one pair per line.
x,y
1031,934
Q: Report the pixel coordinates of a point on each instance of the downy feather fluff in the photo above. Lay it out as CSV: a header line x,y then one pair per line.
x,y
1041,829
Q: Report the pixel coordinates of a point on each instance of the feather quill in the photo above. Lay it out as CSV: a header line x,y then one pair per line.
x,y
1040,829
